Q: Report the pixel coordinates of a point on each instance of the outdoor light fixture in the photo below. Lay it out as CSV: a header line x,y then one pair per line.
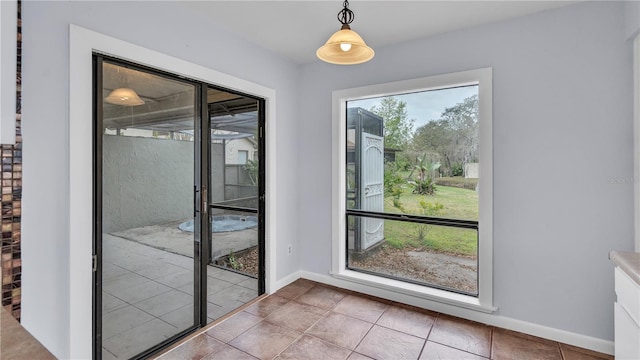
x,y
124,96
345,47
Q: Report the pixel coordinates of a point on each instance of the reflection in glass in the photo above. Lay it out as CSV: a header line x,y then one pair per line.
x,y
147,191
234,264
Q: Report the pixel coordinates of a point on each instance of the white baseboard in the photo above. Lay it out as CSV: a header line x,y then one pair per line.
x,y
279,284
579,340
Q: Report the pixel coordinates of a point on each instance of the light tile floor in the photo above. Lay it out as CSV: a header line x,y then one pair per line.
x,y
148,295
307,320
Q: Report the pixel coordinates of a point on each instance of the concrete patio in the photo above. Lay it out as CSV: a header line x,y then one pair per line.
x,y
148,295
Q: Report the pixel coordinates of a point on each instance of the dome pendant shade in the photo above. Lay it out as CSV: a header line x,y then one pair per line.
x,y
337,50
124,96
345,47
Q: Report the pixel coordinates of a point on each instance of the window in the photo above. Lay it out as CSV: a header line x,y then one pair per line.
x,y
412,205
242,157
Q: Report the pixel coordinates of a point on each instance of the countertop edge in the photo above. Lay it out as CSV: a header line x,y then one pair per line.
x,y
17,343
629,262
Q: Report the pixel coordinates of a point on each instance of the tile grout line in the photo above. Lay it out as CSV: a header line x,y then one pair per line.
x,y
375,323
426,339
365,335
328,311
303,333
288,346
560,350
437,316
491,343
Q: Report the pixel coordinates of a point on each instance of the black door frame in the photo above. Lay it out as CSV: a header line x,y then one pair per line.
x,y
202,182
260,211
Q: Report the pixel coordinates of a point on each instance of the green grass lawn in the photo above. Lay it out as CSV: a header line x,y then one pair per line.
x,y
457,203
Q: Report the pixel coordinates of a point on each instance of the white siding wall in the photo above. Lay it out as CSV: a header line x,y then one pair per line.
x,y
233,146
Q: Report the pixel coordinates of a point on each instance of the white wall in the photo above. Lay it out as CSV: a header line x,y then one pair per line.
x,y
146,181
632,18
161,26
562,134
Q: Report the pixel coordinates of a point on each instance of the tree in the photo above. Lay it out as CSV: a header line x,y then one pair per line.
x,y
463,121
398,127
454,136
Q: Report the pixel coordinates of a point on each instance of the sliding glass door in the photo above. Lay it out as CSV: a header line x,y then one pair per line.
x,y
179,220
236,125
147,160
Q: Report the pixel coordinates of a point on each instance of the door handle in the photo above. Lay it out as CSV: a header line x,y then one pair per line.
x,y
195,200
204,200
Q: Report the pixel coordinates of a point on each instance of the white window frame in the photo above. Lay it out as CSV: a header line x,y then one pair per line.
x,y
482,77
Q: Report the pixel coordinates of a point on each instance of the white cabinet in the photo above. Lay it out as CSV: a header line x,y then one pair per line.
x,y
627,317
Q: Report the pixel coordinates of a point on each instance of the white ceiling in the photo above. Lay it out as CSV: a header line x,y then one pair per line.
x,y
297,28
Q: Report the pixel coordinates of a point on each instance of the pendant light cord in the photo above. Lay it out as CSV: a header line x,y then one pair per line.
x,y
346,16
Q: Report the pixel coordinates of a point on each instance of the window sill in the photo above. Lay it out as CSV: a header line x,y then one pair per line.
x,y
423,292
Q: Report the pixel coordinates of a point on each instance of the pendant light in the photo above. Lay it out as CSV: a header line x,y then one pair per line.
x,y
345,47
124,96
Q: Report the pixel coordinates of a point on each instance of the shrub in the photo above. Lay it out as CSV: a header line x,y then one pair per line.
x,y
252,167
457,170
402,162
235,264
458,182
424,187
427,209
397,192
392,180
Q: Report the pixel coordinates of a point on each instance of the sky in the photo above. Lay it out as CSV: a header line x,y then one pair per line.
x,y
426,105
